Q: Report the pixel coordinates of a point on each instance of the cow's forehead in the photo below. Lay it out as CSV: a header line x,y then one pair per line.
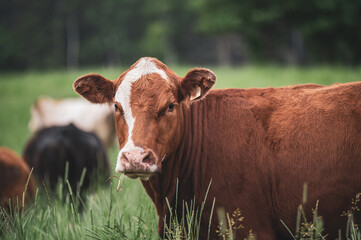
x,y
145,66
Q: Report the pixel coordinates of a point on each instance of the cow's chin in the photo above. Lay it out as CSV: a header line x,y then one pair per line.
x,y
141,175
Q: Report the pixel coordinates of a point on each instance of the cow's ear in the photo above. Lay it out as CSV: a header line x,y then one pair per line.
x,y
197,83
95,88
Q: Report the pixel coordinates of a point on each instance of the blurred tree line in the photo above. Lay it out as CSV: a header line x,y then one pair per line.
x,y
72,33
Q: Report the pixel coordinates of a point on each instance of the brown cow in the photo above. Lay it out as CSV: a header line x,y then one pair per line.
x,y
258,146
14,173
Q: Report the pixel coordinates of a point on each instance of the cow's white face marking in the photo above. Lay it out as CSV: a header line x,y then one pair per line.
x,y
145,66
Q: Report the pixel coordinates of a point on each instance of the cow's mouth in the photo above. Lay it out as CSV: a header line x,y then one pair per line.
x,y
141,175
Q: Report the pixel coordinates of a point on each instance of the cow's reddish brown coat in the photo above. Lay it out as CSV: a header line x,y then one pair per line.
x,y
14,173
258,146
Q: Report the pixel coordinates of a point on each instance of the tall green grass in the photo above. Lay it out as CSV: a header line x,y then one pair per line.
x,y
108,213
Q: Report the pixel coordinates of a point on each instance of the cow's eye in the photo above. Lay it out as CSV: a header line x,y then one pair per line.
x,y
170,107
117,109
166,109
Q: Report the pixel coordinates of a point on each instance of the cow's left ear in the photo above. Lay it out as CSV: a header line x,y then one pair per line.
x,y
95,88
197,83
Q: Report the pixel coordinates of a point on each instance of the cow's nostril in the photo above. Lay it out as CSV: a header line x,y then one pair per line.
x,y
147,158
125,157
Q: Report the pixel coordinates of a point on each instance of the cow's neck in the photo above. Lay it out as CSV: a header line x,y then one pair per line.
x,y
182,165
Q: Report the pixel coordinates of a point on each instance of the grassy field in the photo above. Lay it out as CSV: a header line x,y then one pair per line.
x,y
109,214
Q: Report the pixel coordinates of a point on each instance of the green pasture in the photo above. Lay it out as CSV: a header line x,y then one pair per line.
x,y
108,213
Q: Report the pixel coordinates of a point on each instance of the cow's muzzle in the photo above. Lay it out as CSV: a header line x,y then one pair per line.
x,y
137,162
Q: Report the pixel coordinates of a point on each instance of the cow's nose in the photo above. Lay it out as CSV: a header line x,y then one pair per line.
x,y
136,157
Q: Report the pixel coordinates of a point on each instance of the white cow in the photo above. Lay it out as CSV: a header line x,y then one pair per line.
x,y
96,118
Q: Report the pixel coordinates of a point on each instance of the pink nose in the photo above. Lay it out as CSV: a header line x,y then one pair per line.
x,y
138,160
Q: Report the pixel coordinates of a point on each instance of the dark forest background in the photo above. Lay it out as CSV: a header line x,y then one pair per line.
x,y
79,33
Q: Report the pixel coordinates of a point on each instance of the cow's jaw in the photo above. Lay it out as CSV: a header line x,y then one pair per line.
x,y
134,166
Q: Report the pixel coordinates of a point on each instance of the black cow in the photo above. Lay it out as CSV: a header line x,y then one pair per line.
x,y
50,148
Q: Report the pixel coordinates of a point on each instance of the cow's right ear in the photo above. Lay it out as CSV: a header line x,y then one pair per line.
x,y
95,88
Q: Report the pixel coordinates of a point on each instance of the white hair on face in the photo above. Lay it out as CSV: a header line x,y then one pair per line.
x,y
145,66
